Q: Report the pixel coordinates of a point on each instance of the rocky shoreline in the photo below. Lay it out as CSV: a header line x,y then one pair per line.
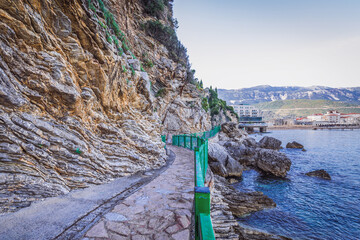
x,y
231,152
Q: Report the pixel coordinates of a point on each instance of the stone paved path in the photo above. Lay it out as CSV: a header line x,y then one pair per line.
x,y
69,217
160,210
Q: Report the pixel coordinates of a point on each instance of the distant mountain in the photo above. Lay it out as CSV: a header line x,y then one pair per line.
x,y
304,107
266,93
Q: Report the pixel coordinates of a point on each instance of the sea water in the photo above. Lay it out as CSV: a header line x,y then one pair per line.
x,y
309,207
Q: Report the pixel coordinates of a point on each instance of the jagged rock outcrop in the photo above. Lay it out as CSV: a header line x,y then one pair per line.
x,y
320,174
79,104
294,144
231,133
241,203
270,143
225,201
272,162
223,116
221,163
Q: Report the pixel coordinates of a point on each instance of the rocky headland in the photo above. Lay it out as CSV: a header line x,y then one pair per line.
x,y
230,153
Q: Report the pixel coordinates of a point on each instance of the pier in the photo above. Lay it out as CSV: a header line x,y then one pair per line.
x,y
249,124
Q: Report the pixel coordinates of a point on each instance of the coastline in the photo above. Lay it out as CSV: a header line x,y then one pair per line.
x,y
290,127
306,127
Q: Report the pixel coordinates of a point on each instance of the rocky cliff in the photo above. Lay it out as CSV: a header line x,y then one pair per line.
x,y
87,87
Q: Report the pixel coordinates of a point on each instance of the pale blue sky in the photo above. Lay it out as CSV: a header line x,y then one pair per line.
x,y
244,43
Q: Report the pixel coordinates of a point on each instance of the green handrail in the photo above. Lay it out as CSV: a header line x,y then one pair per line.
x,y
163,139
199,143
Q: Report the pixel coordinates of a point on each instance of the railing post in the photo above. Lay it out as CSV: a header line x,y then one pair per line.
x,y
191,142
202,205
205,157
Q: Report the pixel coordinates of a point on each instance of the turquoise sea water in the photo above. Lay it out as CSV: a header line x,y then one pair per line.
x,y
307,207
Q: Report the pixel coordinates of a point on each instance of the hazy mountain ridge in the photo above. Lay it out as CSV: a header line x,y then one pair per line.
x,y
266,93
304,107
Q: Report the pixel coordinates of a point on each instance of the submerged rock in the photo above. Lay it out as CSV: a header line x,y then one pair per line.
x,y
320,174
270,143
294,144
272,162
254,234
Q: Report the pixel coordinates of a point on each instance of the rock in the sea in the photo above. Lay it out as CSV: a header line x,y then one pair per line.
x,y
241,203
270,143
254,234
320,174
272,162
222,163
226,202
294,144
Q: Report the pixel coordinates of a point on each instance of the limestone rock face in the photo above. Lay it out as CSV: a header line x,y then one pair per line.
x,y
272,162
294,144
231,132
270,143
320,174
74,110
222,163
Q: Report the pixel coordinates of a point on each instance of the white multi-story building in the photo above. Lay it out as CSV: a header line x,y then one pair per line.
x,y
316,117
244,110
333,117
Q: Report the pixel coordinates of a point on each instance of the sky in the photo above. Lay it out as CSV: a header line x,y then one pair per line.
x,y
243,43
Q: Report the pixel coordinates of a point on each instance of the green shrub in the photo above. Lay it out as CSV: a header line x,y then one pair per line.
x,y
154,7
102,24
216,105
92,7
148,63
108,37
161,92
205,104
132,71
167,36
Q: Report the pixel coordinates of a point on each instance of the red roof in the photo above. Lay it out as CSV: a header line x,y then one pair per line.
x,y
332,115
318,114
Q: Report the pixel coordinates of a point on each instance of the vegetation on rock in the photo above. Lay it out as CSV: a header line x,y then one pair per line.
x,y
166,35
161,92
216,105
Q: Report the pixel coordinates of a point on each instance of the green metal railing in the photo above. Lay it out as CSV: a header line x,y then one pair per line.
x,y
163,138
199,143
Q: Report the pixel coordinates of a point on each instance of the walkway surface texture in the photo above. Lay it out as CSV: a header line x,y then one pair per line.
x,y
153,205
160,210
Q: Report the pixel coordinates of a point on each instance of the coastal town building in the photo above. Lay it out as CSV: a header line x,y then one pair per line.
x,y
332,117
245,110
250,118
319,119
316,117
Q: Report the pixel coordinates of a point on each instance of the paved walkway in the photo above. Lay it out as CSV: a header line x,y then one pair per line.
x,y
160,210
70,216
